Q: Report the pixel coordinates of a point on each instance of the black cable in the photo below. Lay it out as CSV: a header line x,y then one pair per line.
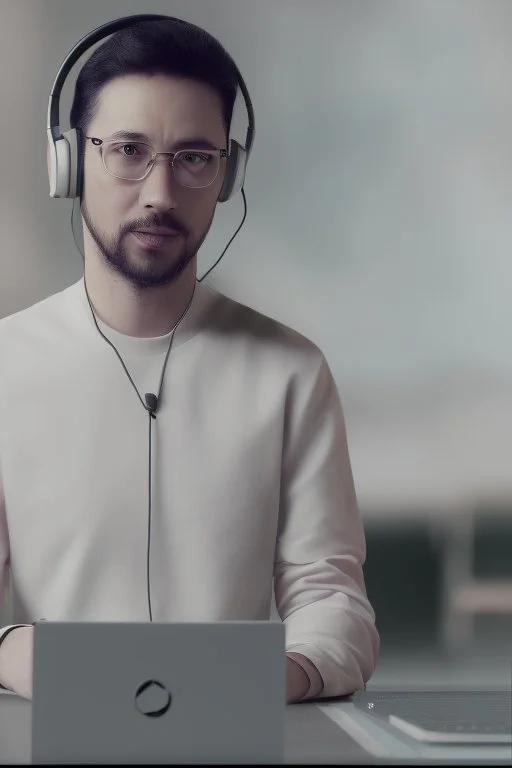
x,y
145,406
200,279
148,558
108,340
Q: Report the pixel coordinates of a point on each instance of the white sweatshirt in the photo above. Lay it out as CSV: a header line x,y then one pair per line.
x,y
251,479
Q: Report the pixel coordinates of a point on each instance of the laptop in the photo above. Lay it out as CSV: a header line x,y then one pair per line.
x,y
158,693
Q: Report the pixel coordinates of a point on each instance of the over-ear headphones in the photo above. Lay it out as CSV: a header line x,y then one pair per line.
x,y
65,150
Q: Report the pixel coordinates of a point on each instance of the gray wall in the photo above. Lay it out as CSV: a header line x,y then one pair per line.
x,y
379,187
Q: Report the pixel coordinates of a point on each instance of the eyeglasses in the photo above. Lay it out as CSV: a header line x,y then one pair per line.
x,y
133,161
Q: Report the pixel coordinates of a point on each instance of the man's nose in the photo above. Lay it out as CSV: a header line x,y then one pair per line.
x,y
159,188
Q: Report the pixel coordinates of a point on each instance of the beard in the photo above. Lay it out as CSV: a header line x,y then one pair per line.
x,y
146,268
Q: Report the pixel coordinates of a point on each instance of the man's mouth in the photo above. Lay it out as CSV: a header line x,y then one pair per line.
x,y
155,238
158,231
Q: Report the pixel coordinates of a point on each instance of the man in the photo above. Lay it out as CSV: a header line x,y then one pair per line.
x,y
250,475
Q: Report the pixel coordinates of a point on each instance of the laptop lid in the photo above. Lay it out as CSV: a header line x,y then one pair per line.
x,y
158,693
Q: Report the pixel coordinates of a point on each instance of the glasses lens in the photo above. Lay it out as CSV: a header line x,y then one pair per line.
x,y
196,168
127,161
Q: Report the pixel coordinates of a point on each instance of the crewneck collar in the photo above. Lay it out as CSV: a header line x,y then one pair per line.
x,y
192,322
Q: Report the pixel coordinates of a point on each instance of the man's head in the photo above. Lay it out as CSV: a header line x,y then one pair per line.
x,y
175,86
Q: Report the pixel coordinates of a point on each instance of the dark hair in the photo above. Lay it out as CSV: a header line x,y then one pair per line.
x,y
159,47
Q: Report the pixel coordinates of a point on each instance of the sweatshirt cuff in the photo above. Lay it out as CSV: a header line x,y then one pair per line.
x,y
316,684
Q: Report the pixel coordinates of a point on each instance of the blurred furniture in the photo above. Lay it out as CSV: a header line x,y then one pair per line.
x,y
471,596
436,462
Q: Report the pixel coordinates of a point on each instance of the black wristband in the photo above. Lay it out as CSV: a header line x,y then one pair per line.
x,y
8,632
11,629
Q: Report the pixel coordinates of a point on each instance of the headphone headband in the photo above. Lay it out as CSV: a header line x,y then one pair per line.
x,y
61,171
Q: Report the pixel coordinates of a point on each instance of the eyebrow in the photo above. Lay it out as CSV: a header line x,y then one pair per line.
x,y
195,142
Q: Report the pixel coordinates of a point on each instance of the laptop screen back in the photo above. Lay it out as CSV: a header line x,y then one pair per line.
x,y
158,693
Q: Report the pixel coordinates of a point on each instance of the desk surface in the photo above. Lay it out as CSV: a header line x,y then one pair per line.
x,y
324,732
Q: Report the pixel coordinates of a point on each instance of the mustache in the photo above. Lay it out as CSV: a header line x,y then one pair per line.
x,y
164,220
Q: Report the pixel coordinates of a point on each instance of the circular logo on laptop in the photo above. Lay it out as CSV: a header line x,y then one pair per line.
x,y
152,699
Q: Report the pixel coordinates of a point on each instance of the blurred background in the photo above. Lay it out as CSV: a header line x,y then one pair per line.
x,y
379,194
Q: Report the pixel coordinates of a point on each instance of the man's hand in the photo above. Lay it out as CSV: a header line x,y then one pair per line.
x,y
16,653
297,681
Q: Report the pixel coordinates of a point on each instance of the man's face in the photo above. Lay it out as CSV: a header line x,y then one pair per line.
x,y
174,114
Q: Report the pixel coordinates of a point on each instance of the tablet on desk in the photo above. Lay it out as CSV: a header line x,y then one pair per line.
x,y
158,693
459,732
444,717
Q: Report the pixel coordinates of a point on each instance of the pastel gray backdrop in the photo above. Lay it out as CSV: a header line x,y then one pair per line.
x,y
379,225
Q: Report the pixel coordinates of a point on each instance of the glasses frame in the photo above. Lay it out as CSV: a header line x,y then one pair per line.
x,y
101,142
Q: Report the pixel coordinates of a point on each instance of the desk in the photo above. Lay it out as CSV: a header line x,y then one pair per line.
x,y
315,733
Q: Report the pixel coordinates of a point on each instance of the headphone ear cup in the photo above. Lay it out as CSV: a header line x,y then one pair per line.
x,y
74,139
235,171
58,165
80,150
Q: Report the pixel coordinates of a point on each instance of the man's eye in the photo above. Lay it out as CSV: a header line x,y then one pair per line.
x,y
128,150
195,157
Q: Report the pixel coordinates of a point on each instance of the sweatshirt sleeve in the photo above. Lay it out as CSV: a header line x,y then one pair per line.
x,y
4,552
318,572
4,562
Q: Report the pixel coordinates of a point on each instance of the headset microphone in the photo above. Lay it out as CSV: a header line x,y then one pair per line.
x,y
151,403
